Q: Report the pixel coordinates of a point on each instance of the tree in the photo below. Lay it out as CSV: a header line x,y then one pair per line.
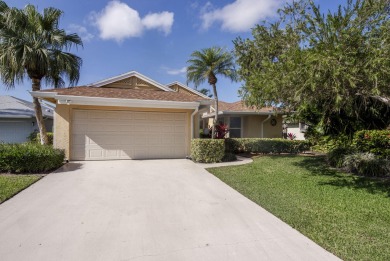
x,y
332,70
32,45
207,64
206,92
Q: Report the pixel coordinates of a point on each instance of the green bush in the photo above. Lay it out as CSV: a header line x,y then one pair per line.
x,y
29,158
229,157
207,150
373,141
328,143
35,137
266,146
336,155
366,164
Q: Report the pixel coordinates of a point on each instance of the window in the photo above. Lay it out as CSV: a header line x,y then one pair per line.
x,y
303,127
235,127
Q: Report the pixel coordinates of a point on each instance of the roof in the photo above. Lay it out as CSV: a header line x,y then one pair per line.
x,y
128,75
239,107
12,107
139,94
189,89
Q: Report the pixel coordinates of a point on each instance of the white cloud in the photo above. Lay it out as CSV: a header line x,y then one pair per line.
x,y
119,21
241,15
161,21
175,71
81,31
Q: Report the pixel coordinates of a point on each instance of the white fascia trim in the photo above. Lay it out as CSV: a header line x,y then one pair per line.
x,y
98,101
43,94
249,112
208,115
189,89
81,100
127,75
16,117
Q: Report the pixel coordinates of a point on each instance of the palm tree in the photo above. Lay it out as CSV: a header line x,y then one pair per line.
x,y
206,64
32,46
206,92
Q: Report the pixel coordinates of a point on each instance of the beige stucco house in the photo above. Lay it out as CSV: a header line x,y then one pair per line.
x,y
131,116
244,121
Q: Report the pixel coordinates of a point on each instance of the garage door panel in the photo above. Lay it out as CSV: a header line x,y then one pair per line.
x,y
78,152
79,138
100,135
81,115
95,153
140,116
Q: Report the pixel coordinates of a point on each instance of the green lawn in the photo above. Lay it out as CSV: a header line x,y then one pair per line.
x,y
12,184
347,215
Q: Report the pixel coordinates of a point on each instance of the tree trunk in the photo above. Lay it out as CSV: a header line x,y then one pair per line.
x,y
216,110
36,86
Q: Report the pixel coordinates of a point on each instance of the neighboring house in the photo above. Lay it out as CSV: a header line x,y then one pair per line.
x,y
245,122
131,116
297,128
17,119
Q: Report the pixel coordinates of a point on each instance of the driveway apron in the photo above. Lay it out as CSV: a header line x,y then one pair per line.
x,y
143,210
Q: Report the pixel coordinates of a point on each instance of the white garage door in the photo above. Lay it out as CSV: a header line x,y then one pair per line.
x,y
104,135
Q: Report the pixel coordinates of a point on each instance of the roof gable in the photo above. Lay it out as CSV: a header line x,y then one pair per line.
x,y
179,87
131,80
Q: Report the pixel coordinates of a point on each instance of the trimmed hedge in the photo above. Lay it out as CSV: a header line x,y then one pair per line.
x,y
207,150
36,137
266,146
373,141
29,158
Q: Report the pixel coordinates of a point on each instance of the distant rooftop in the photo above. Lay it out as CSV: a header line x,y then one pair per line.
x,y
12,107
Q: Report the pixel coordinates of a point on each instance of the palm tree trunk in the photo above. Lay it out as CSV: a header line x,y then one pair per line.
x,y
216,110
36,86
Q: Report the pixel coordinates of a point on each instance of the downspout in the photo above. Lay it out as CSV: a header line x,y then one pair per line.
x,y
262,125
192,122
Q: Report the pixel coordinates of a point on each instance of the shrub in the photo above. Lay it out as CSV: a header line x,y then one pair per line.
x,y
366,164
207,150
29,158
229,157
373,141
266,146
35,137
336,155
328,143
291,136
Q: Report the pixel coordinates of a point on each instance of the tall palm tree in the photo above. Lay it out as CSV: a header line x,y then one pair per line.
x,y
33,46
207,64
206,92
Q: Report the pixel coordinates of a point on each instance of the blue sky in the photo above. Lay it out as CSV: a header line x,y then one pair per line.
x,y
154,37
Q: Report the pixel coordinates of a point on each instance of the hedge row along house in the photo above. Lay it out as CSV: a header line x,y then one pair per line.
x,y
131,116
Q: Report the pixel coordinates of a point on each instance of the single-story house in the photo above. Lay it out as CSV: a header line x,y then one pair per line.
x,y
131,116
17,119
297,128
244,121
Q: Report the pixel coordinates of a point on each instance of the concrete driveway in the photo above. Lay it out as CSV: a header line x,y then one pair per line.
x,y
143,210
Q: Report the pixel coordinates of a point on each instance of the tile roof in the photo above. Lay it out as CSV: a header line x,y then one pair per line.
x,y
12,107
123,93
239,106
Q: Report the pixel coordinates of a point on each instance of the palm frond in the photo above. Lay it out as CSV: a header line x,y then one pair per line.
x,y
33,45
